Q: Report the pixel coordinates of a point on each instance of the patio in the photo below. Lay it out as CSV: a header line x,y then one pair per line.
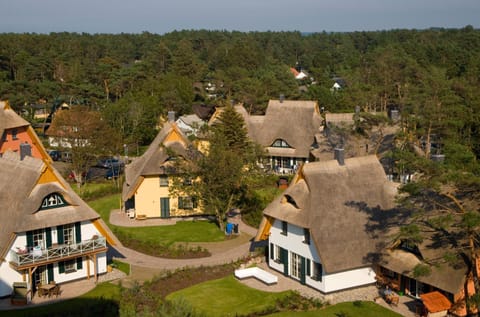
x,y
68,291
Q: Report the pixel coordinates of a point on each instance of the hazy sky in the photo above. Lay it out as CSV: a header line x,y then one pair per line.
x,y
157,16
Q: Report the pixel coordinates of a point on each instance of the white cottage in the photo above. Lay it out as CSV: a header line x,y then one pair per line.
x,y
48,233
318,228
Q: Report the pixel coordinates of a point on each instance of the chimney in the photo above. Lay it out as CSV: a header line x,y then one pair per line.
x,y
171,116
282,98
25,150
339,155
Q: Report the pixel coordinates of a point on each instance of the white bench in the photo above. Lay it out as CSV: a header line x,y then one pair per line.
x,y
257,273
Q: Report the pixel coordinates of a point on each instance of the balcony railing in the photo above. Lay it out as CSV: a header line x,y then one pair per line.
x,y
56,252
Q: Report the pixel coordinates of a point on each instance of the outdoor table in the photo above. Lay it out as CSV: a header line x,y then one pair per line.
x,y
47,287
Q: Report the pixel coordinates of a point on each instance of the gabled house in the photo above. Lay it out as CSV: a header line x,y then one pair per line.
x,y
288,132
148,179
17,134
48,233
398,263
317,229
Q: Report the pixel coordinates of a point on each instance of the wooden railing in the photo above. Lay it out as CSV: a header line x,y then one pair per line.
x,y
56,252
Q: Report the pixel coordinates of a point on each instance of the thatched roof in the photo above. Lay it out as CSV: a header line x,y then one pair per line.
x,y
443,276
21,197
9,119
336,203
203,111
155,160
294,121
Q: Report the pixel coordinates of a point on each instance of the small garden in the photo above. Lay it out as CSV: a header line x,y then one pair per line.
x,y
172,241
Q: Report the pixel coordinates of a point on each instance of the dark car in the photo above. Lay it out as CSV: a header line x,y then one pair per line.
x,y
109,163
55,155
113,172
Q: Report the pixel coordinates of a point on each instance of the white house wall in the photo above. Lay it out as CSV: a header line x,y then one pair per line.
x,y
293,242
8,275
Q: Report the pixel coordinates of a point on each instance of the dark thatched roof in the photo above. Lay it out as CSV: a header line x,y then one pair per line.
x,y
203,111
294,121
155,160
21,197
335,201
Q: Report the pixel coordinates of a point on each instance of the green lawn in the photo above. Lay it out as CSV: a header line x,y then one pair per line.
x,y
103,300
168,241
226,297
349,309
183,231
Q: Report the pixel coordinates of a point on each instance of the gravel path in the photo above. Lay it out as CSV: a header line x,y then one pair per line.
x,y
221,252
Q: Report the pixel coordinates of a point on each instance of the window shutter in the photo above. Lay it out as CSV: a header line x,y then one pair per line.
x,y
78,232
50,272
79,263
284,259
48,234
61,267
302,270
272,252
29,239
309,273
60,234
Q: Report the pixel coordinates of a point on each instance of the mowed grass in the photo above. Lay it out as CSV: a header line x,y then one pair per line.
x,y
182,231
364,309
226,297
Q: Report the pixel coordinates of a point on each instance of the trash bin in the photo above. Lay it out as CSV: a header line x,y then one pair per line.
x,y
229,228
235,228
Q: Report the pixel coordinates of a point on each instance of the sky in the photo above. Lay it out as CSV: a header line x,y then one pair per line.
x,y
164,16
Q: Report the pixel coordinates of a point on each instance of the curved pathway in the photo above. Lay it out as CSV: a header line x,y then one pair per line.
x,y
221,252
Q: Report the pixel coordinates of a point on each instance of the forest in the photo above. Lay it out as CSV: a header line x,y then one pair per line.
x,y
431,75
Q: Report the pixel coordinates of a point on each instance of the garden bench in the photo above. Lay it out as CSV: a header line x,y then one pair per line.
x,y
257,273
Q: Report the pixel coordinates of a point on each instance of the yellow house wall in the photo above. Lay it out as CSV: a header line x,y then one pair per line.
x,y
147,200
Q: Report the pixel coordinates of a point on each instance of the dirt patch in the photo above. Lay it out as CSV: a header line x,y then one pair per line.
x,y
184,278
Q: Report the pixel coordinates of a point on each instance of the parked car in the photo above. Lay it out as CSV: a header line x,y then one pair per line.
x,y
55,155
113,172
109,163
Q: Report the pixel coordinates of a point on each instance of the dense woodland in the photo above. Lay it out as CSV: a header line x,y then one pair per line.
x,y
133,78
432,76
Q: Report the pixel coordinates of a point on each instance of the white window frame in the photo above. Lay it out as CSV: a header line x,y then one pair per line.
x,y
295,265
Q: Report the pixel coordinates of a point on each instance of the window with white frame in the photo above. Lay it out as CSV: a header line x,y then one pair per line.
x,y
163,181
69,234
278,252
187,202
39,238
317,271
52,201
295,265
70,266
284,228
280,143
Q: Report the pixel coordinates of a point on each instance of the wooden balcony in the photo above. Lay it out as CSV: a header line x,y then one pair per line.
x,y
55,253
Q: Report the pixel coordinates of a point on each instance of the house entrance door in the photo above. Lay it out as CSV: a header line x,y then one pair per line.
x,y
40,276
164,207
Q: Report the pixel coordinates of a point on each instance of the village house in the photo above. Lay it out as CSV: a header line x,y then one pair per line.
x,y
332,230
16,133
317,228
48,233
148,179
289,132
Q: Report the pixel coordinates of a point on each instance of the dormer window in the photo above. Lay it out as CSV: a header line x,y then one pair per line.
x,y
54,200
280,143
291,201
409,246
